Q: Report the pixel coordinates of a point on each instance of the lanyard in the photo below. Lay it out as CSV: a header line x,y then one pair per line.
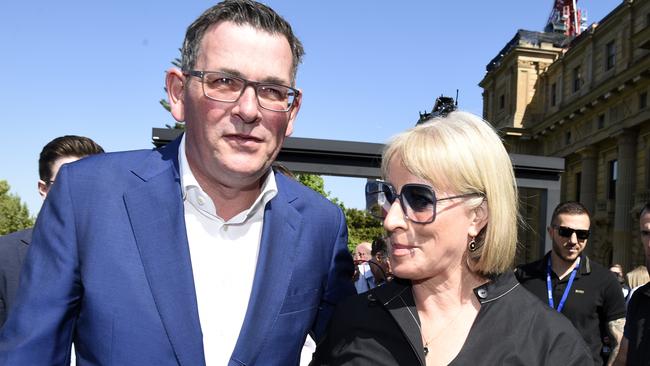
x,y
566,290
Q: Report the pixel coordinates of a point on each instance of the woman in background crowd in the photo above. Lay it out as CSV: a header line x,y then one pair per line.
x,y
637,278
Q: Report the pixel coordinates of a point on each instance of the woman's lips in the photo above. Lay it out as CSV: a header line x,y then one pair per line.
x,y
401,249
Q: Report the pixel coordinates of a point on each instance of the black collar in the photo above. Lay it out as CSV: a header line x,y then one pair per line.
x,y
585,264
397,298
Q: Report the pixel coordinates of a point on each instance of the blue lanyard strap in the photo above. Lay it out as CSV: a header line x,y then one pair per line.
x,y
549,286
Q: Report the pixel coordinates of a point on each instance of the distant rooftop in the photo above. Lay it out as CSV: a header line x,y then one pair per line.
x,y
529,38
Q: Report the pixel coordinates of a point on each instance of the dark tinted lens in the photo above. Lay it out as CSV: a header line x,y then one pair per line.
x,y
379,198
567,232
419,198
420,201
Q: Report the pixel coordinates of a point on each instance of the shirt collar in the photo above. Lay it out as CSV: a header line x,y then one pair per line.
x,y
268,190
496,287
585,264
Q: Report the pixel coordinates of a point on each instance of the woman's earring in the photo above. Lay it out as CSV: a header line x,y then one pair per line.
x,y
472,245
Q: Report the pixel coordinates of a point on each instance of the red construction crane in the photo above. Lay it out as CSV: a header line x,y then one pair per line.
x,y
566,18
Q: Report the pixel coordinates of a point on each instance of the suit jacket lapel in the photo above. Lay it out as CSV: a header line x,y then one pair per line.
x,y
397,298
155,209
272,274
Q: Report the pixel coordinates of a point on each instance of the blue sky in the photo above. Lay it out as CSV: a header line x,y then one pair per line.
x,y
97,69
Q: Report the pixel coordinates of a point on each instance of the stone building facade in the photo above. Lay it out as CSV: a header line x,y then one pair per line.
x,y
584,99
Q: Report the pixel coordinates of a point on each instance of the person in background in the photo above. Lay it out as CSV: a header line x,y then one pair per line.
x,y
448,203
618,272
575,286
380,262
13,247
195,253
635,346
363,278
636,278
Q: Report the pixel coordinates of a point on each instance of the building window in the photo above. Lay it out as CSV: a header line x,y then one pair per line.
x,y
578,183
577,79
612,176
553,94
567,138
502,101
610,55
601,121
643,100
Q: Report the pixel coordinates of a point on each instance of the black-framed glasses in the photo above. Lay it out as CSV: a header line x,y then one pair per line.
x,y
227,88
566,232
418,201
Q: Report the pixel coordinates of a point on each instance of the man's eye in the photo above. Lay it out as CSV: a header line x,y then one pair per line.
x,y
222,81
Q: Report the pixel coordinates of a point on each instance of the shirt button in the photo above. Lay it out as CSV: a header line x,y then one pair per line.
x,y
482,293
200,200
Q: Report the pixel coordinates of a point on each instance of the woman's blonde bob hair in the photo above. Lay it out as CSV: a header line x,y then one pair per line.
x,y
461,153
638,277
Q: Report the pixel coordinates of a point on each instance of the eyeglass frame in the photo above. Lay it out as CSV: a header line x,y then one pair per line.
x,y
255,84
579,232
399,197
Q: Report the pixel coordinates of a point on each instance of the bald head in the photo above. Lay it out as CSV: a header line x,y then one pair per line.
x,y
362,252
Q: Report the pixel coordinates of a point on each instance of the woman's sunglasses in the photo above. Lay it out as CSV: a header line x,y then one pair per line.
x,y
418,201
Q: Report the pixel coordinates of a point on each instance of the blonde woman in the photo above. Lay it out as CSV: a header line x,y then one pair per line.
x,y
637,278
449,205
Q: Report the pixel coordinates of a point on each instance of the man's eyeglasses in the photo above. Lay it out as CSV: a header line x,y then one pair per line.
x,y
566,232
418,201
227,88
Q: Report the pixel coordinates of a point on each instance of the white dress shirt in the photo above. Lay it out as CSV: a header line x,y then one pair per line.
x,y
224,255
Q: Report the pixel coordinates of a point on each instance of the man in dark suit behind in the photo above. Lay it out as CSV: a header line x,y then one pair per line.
x,y
196,252
13,247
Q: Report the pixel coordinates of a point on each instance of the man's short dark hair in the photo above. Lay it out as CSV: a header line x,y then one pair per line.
x,y
378,245
569,208
645,209
240,12
64,146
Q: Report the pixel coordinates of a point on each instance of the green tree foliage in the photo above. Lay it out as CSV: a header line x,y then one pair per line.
x,y
14,214
361,226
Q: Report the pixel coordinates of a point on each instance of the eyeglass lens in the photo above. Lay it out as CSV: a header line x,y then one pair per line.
x,y
226,88
417,201
567,232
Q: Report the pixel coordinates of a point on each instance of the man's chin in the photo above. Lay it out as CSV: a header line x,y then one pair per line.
x,y
569,258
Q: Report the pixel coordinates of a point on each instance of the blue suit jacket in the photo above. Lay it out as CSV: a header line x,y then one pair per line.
x,y
13,248
109,267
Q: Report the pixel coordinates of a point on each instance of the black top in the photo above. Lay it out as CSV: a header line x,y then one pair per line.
x,y
594,299
512,328
637,327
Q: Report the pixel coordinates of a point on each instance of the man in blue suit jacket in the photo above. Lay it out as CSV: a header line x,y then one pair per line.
x,y
13,247
145,257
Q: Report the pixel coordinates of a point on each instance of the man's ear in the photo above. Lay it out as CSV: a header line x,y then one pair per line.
x,y
479,220
43,188
175,83
293,112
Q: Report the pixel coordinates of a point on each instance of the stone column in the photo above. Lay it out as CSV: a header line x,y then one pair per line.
x,y
588,180
622,241
589,163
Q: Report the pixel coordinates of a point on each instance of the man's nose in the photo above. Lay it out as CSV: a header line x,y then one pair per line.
x,y
248,105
